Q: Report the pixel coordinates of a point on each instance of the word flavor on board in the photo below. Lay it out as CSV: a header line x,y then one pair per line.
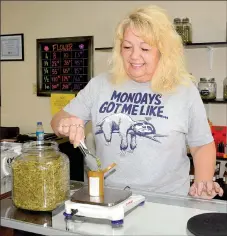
x,y
64,65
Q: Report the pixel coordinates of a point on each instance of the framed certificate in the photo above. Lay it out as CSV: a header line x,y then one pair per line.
x,y
12,47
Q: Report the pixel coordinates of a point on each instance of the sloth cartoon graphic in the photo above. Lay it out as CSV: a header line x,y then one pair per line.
x,y
127,129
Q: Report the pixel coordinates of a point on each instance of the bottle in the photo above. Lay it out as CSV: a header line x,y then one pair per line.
x,y
221,147
187,31
39,132
96,183
178,26
225,175
217,171
225,89
41,177
192,173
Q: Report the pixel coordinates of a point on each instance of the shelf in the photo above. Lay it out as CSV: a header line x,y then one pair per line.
x,y
218,158
104,49
216,101
188,46
205,45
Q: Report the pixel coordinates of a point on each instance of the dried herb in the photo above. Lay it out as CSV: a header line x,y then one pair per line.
x,y
40,183
225,92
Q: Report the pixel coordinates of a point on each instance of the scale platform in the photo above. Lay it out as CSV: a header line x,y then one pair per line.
x,y
110,198
113,205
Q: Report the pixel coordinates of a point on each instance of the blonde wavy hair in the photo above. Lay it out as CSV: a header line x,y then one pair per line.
x,y
154,27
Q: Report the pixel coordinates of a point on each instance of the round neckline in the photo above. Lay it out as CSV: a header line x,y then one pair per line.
x,y
133,82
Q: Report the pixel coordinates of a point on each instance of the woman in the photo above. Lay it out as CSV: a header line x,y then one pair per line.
x,y
145,110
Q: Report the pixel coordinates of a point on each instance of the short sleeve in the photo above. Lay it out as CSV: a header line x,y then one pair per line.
x,y
81,105
199,132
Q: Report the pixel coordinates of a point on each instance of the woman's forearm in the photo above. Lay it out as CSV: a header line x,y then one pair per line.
x,y
204,158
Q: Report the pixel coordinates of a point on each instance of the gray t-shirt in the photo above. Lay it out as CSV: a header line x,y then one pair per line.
x,y
144,133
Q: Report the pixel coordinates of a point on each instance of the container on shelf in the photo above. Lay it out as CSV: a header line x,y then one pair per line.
x,y
178,26
207,88
187,31
225,89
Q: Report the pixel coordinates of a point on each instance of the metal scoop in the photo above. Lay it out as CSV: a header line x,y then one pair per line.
x,y
86,151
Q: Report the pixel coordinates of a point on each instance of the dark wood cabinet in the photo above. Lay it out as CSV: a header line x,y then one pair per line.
x,y
6,231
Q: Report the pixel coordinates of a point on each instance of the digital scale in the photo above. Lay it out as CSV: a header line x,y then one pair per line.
x,y
113,205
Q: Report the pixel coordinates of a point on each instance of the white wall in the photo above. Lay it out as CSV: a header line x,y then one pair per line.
x,y
47,19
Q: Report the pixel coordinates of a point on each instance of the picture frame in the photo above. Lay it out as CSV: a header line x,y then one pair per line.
x,y
12,47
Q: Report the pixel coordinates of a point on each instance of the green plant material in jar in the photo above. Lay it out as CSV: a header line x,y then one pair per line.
x,y
40,184
206,94
225,92
208,97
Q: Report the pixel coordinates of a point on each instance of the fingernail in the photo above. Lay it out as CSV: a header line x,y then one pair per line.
x,y
75,146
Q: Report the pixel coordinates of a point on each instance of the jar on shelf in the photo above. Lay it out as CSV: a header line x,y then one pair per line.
x,y
40,177
187,31
225,89
178,26
207,88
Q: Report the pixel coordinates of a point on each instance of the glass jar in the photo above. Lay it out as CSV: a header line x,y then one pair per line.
x,y
178,26
225,89
207,88
41,179
187,31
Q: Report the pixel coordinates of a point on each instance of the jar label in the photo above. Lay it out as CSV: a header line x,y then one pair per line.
x,y
40,136
205,92
94,186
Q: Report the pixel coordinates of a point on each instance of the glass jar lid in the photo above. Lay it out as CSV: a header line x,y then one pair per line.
x,y
203,79
177,20
185,20
211,80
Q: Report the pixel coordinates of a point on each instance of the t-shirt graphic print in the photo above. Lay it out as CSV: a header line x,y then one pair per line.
x,y
130,104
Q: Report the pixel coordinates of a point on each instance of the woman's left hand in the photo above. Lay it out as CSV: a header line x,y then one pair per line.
x,y
205,190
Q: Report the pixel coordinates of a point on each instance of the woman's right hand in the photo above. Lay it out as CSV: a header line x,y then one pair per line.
x,y
72,127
